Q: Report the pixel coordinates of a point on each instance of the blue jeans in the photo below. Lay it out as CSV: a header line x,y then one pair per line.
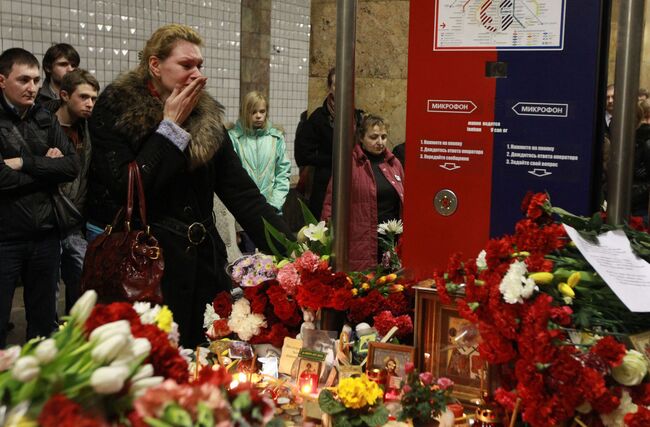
x,y
73,251
36,263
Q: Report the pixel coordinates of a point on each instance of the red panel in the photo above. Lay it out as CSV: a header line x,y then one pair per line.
x,y
443,75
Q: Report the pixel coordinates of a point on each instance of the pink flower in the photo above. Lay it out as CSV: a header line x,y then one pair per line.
x,y
444,383
308,261
8,357
426,378
407,388
408,368
288,278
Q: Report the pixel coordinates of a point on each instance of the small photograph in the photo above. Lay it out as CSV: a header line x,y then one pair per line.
x,y
307,377
240,350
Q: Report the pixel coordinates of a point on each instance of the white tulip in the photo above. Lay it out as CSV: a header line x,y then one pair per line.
x,y
46,351
120,327
25,369
140,387
109,379
109,349
141,347
633,369
145,371
81,310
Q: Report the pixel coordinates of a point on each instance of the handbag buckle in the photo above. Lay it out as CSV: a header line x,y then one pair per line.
x,y
155,253
196,233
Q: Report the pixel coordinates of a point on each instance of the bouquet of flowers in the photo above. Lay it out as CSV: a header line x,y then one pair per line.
x,y
355,402
251,270
388,233
424,398
314,237
215,398
551,323
101,354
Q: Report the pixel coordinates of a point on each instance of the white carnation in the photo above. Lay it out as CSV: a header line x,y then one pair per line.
x,y
481,263
209,316
244,323
515,286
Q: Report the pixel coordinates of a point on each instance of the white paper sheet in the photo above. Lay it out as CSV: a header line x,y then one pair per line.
x,y
624,272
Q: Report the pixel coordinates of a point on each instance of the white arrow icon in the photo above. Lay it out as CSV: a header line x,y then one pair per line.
x,y
450,166
540,172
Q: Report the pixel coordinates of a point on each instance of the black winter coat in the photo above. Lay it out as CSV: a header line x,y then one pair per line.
x,y
641,176
313,147
26,210
179,188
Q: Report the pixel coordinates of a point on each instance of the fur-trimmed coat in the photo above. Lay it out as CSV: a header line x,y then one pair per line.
x,y
179,188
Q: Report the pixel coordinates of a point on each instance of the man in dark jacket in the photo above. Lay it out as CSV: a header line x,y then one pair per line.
x,y
159,116
313,148
35,156
79,90
58,61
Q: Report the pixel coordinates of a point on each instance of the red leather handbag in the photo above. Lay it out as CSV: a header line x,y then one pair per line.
x,y
125,265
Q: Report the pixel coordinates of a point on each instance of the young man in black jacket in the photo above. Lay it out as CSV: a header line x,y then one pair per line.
x,y
79,91
35,156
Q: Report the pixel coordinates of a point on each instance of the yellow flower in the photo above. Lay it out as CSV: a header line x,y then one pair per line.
x,y
357,393
355,292
573,279
541,278
391,277
381,280
164,319
566,290
365,286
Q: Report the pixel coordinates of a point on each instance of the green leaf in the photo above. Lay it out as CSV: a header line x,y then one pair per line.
x,y
275,422
378,417
177,416
269,231
204,416
329,404
153,422
306,214
242,401
341,421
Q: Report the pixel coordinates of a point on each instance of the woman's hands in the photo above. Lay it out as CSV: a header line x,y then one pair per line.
x,y
181,102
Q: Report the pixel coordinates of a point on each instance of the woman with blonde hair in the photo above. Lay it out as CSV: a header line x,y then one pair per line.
x,y
160,116
262,151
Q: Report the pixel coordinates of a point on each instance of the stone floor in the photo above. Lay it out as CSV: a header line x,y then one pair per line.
x,y
17,335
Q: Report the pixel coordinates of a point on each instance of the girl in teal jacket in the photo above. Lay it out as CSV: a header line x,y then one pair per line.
x,y
262,149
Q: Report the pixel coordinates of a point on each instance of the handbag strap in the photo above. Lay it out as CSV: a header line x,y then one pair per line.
x,y
135,180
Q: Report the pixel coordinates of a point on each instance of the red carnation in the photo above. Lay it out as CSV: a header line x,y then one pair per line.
x,y
636,223
507,399
385,321
284,307
59,411
274,335
641,418
536,206
610,350
164,358
107,313
222,304
641,394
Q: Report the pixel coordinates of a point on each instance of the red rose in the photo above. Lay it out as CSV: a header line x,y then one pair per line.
x,y
103,314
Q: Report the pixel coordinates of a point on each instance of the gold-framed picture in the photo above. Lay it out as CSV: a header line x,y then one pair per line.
x,y
386,363
447,346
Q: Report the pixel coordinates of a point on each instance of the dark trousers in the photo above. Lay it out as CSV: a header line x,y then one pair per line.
x,y
36,263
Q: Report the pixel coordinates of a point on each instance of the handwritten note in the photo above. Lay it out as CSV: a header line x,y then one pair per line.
x,y
613,259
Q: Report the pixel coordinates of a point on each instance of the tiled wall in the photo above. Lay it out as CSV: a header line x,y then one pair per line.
x,y
108,34
290,31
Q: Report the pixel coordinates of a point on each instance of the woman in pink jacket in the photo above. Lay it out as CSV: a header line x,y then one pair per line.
x,y
377,192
